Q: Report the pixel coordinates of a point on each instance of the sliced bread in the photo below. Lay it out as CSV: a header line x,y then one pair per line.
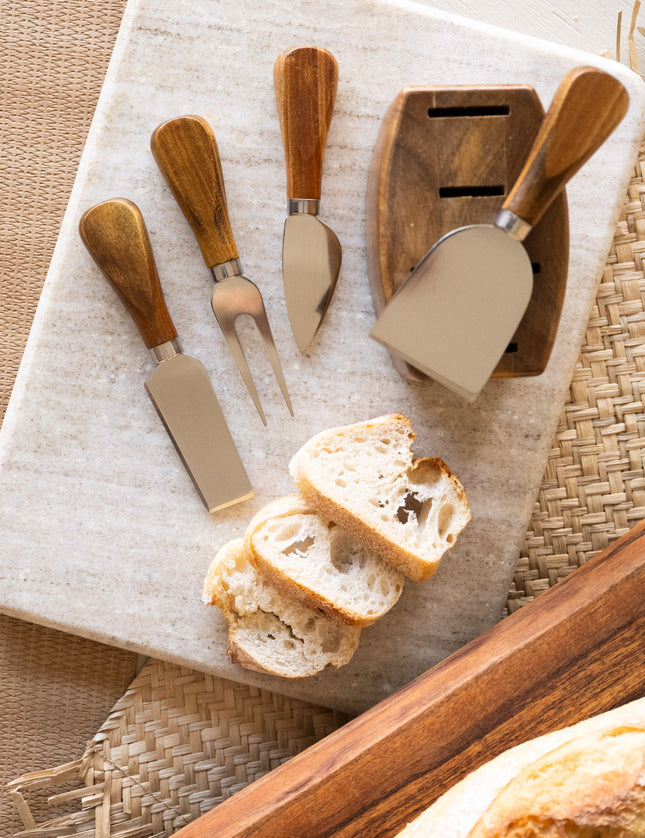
x,y
269,632
363,477
320,564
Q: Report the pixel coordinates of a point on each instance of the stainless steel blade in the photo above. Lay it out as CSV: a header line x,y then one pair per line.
x,y
458,310
311,258
235,295
182,394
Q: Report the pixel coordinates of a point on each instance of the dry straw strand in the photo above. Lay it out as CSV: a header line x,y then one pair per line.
x,y
177,743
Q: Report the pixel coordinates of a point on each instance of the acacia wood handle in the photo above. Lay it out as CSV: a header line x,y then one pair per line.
x,y
586,108
305,80
577,650
116,237
186,152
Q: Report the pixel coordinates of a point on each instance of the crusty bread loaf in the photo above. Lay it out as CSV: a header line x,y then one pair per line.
x,y
269,632
363,477
320,564
584,781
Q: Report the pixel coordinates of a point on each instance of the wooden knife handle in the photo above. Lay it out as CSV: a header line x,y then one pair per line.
x,y
115,234
186,152
305,80
586,108
577,650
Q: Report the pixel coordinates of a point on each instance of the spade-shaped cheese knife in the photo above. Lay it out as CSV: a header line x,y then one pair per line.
x,y
456,313
305,80
186,152
115,234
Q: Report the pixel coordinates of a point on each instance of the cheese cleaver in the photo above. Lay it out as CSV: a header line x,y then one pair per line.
x,y
456,313
305,80
115,234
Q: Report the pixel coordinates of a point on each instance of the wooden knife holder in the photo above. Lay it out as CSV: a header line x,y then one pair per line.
x,y
446,157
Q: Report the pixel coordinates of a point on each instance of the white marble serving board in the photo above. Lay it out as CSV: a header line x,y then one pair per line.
x,y
101,531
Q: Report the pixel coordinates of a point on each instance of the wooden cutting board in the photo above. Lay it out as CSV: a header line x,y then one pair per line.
x,y
102,533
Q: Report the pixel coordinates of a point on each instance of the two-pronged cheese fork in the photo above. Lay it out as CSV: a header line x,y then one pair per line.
x,y
186,153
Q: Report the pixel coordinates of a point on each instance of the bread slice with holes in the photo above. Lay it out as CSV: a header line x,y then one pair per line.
x,y
363,477
320,564
269,632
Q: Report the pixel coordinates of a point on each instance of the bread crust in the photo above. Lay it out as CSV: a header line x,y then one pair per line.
x,y
418,568
283,508
240,656
319,603
583,781
402,515
287,621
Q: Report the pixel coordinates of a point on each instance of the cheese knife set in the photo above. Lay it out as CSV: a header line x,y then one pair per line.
x,y
455,315
114,232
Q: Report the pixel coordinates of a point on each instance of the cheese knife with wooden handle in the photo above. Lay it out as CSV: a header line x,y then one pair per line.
x,y
185,149
305,80
115,234
456,313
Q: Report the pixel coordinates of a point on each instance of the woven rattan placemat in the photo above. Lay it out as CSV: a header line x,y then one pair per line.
x,y
593,488
55,689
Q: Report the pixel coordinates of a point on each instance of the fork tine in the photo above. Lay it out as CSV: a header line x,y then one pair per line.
x,y
235,348
262,322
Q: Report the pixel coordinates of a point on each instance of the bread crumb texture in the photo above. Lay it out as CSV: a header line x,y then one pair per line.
x,y
363,476
316,566
320,564
269,632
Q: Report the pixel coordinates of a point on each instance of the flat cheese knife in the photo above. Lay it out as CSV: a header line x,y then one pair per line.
x,y
115,234
305,80
457,311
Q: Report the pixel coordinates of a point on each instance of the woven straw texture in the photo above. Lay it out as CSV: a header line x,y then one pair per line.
x,y
55,691
184,740
593,488
176,744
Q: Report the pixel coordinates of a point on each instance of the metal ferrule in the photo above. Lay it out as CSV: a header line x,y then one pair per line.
x,y
227,269
303,206
513,225
166,350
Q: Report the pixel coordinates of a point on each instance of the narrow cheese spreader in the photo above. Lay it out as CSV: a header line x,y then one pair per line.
x,y
575,651
116,237
186,152
458,310
305,82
